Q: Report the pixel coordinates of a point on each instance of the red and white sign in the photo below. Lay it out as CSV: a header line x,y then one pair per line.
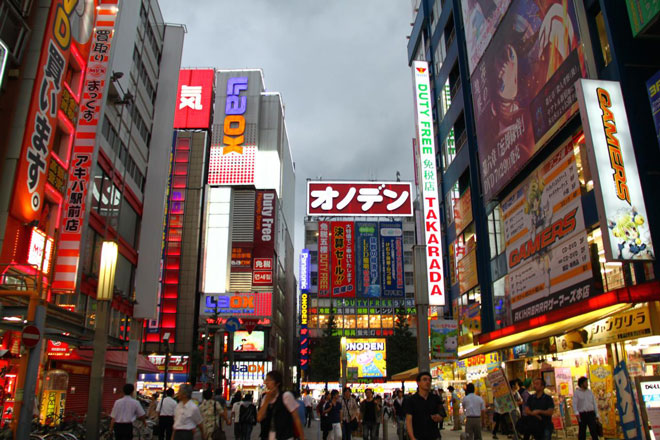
x,y
30,336
367,199
59,350
38,242
429,183
193,104
249,324
80,167
262,278
264,237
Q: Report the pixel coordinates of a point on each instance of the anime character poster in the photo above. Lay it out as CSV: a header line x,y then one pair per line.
x,y
601,380
523,86
367,356
444,339
480,18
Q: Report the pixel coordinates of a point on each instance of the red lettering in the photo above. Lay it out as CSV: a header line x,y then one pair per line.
x,y
435,264
436,290
433,251
430,226
430,201
433,239
431,214
435,277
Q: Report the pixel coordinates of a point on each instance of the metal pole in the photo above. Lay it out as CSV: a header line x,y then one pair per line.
x,y
167,364
30,384
230,347
133,347
217,356
422,305
98,370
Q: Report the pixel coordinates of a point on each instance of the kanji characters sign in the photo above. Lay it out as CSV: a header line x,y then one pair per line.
x,y
193,106
342,260
324,259
359,199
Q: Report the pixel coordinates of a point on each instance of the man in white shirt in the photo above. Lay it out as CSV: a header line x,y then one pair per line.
x,y
586,410
165,410
308,400
124,412
474,409
187,417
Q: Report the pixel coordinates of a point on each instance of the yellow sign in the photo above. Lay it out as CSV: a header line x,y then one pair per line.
x,y
52,407
367,356
602,385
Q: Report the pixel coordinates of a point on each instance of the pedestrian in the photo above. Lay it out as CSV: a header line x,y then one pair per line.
x,y
124,412
165,410
280,409
475,411
399,414
301,406
218,397
263,434
422,411
368,414
541,406
309,408
524,391
380,416
586,410
349,415
238,397
236,403
455,402
247,417
187,418
332,411
443,413
212,412
152,414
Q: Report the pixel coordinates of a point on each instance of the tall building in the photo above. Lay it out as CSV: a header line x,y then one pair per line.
x,y
91,111
546,189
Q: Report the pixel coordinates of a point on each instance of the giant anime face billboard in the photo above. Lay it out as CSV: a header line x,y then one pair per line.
x,y
481,18
523,86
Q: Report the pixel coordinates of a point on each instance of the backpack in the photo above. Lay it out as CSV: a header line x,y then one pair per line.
x,y
248,415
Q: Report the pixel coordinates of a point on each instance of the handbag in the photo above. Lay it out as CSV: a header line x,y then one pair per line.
x,y
218,433
353,425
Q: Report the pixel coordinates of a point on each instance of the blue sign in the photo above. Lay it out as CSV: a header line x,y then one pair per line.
x,y
305,271
391,258
232,324
367,268
625,404
653,89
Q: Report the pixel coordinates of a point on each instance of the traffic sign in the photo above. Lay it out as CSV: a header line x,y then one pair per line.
x,y
250,324
31,336
232,324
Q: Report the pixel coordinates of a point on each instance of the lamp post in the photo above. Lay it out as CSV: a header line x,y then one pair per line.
x,y
422,304
104,293
166,340
344,364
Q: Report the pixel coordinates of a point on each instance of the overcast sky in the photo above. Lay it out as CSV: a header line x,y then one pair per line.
x,y
340,66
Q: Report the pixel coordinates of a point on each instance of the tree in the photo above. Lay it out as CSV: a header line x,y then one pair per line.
x,y
402,346
325,362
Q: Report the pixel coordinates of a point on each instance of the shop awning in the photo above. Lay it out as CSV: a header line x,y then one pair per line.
x,y
412,373
545,331
117,359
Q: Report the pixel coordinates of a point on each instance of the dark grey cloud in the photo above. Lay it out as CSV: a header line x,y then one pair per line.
x,y
340,65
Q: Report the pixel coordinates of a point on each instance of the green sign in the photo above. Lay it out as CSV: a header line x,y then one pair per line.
x,y
641,13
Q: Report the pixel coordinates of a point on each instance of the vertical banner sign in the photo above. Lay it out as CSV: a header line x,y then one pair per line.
x,y
324,259
653,89
391,256
41,122
626,405
264,238
502,397
342,260
193,108
429,183
367,268
304,333
444,340
621,208
82,156
305,270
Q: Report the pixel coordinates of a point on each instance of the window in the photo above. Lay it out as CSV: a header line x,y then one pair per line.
x,y
495,233
313,257
502,315
129,223
409,237
362,321
410,279
374,321
407,258
448,150
450,202
350,321
602,38
313,321
387,321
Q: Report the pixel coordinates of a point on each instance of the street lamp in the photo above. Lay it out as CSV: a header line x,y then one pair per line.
x,y
166,340
344,363
104,292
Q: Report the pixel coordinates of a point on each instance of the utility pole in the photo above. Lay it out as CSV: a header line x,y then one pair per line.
x,y
422,305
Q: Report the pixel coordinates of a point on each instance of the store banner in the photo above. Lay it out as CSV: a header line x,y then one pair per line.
x,y
481,19
444,339
502,397
641,13
548,260
324,259
601,380
463,211
263,264
653,90
619,199
467,271
194,99
391,256
367,265
626,405
523,86
342,259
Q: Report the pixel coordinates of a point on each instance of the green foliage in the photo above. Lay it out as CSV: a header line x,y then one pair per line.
x,y
325,362
402,346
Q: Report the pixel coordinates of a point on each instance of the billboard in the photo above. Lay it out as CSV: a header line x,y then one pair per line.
x,y
481,18
548,260
523,86
194,99
391,258
653,90
444,339
463,211
264,237
367,357
342,260
245,342
429,183
641,13
621,208
324,259
367,265
305,271
248,305
359,199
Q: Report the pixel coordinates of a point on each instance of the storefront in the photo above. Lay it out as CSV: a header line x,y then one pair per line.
x,y
177,373
248,376
10,344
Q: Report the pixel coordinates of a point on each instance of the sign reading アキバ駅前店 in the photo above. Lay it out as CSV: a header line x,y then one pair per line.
x,y
429,183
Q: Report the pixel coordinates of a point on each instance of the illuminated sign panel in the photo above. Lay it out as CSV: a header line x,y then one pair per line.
x,y
304,332
305,270
621,208
367,357
324,259
359,199
429,184
237,304
217,241
194,99
38,242
245,342
342,260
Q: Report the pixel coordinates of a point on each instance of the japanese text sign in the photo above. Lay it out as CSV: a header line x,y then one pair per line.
x,y
359,199
391,258
40,250
367,264
368,356
237,304
429,184
304,333
619,199
342,260
626,405
193,105
324,259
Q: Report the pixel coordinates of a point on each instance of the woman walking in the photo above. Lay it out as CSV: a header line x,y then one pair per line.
x,y
280,409
212,412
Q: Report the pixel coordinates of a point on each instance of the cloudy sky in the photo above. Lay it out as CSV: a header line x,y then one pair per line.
x,y
340,65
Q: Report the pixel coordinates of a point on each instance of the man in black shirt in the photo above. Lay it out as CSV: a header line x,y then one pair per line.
x,y
423,411
541,406
368,415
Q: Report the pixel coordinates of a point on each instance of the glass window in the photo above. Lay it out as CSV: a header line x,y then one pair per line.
x,y
374,321
502,316
314,257
410,280
362,321
124,277
448,150
408,258
339,321
313,321
128,223
323,321
349,321
387,321
495,233
611,272
90,314
604,41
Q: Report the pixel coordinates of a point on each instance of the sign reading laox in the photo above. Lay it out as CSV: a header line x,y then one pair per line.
x,y
237,304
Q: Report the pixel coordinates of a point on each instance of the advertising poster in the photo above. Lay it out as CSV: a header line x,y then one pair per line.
x,y
626,405
653,90
523,86
548,260
444,340
391,254
342,259
467,271
245,342
463,211
502,397
367,265
324,259
641,13
564,381
367,357
601,380
619,199
480,18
